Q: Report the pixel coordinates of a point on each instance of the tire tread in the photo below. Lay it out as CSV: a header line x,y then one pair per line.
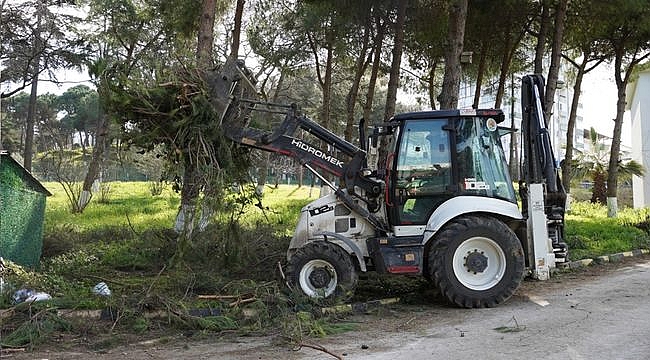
x,y
339,258
438,255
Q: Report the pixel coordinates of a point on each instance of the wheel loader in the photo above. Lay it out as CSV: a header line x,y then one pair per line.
x,y
426,193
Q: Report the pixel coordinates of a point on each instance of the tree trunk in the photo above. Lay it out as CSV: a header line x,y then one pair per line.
x,y
393,82
503,73
512,44
324,80
262,173
372,160
556,56
599,191
351,98
398,47
431,85
206,34
189,193
544,23
83,136
567,166
102,141
184,223
31,108
374,72
29,126
479,75
614,157
236,33
453,50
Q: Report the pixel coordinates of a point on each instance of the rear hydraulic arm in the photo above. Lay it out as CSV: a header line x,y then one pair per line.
x,y
539,165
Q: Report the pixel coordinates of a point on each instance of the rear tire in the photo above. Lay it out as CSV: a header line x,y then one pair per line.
x,y
322,270
476,261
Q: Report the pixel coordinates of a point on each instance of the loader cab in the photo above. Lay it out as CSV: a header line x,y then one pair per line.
x,y
438,155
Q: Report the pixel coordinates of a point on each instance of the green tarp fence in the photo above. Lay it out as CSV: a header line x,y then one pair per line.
x,y
22,210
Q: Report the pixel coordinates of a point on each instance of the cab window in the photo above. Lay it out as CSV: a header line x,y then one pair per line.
x,y
422,170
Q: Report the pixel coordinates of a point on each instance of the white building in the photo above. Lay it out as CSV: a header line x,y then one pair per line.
x,y
638,103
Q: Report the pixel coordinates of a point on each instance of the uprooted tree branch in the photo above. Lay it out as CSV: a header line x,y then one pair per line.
x,y
180,114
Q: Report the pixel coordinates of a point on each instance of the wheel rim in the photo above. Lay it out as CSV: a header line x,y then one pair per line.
x,y
318,278
479,263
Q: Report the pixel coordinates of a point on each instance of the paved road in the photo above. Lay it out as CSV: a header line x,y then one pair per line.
x,y
602,313
605,315
605,319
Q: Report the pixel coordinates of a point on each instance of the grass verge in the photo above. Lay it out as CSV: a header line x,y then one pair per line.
x,y
590,233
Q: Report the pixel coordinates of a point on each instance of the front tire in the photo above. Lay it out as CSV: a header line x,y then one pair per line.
x,y
476,261
322,270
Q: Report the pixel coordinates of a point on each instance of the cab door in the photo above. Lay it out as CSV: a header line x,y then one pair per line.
x,y
421,173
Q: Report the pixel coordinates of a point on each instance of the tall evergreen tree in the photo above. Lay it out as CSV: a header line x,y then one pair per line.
x,y
628,35
453,49
37,41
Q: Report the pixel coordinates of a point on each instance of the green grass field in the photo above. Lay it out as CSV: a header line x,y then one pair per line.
x,y
127,202
131,204
130,207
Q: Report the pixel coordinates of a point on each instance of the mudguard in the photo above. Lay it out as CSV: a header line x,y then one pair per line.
x,y
457,206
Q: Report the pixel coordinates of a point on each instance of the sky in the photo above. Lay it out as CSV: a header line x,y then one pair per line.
x,y
599,103
68,79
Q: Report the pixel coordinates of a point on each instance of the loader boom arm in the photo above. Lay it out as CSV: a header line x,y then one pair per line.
x,y
234,96
283,141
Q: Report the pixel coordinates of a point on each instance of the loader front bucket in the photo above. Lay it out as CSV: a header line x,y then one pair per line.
x,y
232,93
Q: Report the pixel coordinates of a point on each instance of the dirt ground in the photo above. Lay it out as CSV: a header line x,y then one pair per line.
x,y
388,323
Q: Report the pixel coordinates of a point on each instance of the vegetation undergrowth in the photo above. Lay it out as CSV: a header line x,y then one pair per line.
x,y
227,283
229,280
590,233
